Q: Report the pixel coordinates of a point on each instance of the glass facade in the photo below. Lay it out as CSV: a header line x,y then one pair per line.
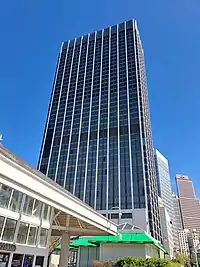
x,y
164,182
97,142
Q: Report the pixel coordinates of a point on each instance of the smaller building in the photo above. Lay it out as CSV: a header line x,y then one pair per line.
x,y
183,242
113,247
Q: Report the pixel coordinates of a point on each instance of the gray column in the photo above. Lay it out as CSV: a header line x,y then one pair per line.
x,y
64,253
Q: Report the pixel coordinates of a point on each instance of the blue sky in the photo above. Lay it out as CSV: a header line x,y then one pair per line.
x,y
31,35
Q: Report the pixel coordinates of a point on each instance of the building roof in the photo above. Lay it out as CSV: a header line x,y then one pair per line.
x,y
124,238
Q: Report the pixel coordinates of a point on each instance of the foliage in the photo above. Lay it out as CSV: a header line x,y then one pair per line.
x,y
102,263
182,259
142,262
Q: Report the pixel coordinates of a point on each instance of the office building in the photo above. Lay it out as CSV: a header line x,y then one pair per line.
x,y
183,242
167,230
163,181
176,223
189,204
97,141
189,242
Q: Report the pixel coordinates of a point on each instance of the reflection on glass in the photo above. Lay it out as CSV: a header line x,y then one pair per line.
x,y
37,208
32,235
28,205
28,261
22,233
46,212
43,237
16,201
39,261
9,230
17,260
1,223
4,257
5,193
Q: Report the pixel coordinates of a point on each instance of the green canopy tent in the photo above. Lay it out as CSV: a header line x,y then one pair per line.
x,y
128,238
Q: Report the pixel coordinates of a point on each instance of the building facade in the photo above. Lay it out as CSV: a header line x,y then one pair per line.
x,y
189,204
24,229
167,230
163,181
176,223
97,141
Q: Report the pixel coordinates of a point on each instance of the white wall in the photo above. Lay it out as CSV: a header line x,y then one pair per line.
x,y
114,251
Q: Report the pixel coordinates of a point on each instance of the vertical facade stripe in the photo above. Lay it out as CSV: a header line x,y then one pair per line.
x,y
108,143
49,111
70,137
88,141
139,113
54,130
119,178
79,137
97,158
129,130
64,118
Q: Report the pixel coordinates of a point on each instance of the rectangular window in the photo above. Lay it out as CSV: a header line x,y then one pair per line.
x,y
16,201
43,237
5,193
1,224
32,235
9,230
22,233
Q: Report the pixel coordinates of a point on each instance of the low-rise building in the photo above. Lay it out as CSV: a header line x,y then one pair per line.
x,y
32,208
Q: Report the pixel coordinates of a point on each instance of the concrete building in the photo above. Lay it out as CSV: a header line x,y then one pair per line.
x,y
32,208
176,223
97,142
164,182
183,242
166,227
189,204
135,244
189,242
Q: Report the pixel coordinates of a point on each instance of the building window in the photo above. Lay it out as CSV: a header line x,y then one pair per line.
x,y
9,230
16,201
17,260
43,237
46,212
22,233
1,224
39,261
32,207
28,261
32,235
5,193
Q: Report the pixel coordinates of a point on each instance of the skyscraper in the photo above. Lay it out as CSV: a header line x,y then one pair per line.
x,y
97,141
163,181
189,204
176,223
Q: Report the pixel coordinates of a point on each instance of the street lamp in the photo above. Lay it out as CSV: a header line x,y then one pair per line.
x,y
120,213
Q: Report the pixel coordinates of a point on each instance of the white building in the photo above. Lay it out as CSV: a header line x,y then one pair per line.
x,y
176,223
32,207
183,242
166,227
163,181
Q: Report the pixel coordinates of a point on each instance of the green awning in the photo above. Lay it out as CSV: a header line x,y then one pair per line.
x,y
140,238
81,242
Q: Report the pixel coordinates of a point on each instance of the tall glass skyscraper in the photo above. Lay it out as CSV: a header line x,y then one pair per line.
x,y
97,141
